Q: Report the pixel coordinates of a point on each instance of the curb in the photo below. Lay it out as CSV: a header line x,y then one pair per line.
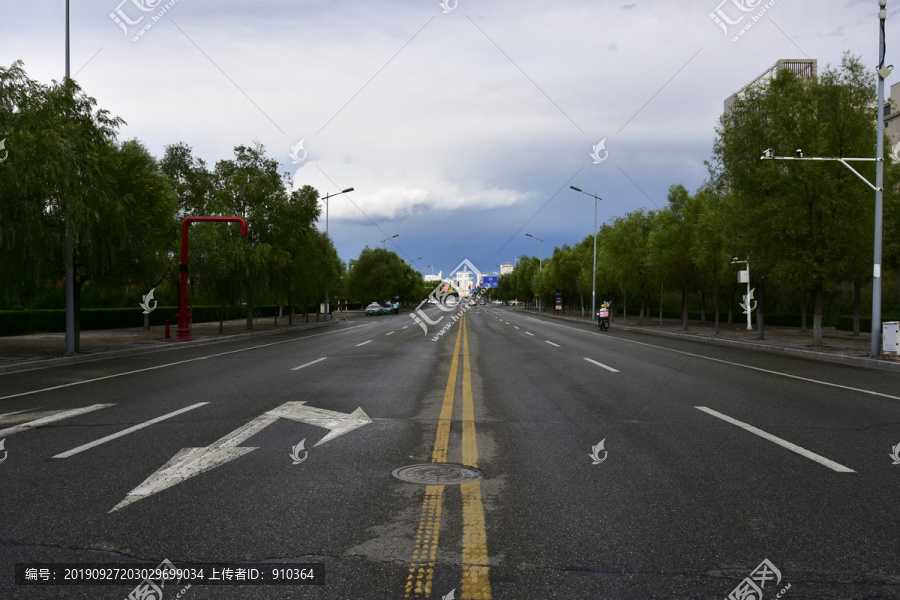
x,y
64,360
808,354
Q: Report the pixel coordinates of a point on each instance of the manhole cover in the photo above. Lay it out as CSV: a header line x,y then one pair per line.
x,y
437,474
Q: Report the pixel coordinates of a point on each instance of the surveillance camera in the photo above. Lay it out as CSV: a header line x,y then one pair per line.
x,y
768,153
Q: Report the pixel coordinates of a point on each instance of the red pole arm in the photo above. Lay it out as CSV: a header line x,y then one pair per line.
x,y
184,330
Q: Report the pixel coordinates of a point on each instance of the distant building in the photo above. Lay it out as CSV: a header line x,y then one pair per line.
x,y
506,268
433,278
801,67
892,117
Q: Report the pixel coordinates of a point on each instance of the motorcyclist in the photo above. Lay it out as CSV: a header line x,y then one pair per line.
x,y
603,316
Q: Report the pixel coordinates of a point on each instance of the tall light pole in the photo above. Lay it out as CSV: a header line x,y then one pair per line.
x,y
432,269
597,199
540,268
384,241
883,72
540,264
70,269
327,196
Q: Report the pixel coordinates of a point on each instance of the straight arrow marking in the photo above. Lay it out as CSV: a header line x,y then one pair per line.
x,y
190,462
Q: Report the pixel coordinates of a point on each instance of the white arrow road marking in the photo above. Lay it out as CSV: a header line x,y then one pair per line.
x,y
363,344
113,436
551,343
309,363
52,419
777,440
194,461
601,365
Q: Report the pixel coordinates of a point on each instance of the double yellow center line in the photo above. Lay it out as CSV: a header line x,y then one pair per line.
x,y
475,569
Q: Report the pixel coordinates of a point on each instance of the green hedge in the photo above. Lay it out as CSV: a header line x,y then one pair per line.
x,y
22,322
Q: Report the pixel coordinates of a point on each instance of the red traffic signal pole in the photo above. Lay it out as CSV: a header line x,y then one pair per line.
x,y
184,315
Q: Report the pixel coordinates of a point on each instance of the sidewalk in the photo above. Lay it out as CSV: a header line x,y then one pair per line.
x,y
46,349
838,345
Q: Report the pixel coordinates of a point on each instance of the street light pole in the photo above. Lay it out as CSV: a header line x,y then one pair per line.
x,y
540,270
875,349
70,268
384,241
327,196
597,199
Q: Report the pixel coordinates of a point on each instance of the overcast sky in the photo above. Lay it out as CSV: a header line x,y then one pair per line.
x,y
461,126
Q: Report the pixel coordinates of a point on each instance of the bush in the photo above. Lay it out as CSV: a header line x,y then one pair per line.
x,y
22,322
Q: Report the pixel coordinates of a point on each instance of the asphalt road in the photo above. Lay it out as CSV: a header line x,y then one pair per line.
x,y
713,461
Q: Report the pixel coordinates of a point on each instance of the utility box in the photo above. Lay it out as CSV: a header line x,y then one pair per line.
x,y
890,336
744,276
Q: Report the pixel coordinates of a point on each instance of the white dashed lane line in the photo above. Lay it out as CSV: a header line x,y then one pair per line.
x,y
309,363
599,364
529,333
389,333
551,343
363,344
777,440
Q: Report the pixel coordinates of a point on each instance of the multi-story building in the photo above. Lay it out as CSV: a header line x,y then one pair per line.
x,y
892,117
506,268
801,67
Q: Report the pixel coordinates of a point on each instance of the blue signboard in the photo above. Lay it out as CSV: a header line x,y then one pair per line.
x,y
490,282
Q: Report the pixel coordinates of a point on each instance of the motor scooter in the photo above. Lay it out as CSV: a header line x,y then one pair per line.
x,y
603,319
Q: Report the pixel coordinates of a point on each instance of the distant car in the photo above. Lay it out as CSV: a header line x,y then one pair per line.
x,y
482,302
390,308
374,309
498,302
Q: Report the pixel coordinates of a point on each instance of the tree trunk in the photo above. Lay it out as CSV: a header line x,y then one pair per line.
x,y
660,302
684,305
760,310
291,311
624,305
818,297
703,306
249,316
221,319
803,316
856,301
76,297
716,295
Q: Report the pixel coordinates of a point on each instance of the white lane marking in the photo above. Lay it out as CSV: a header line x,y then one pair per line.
x,y
52,419
113,436
529,333
391,333
189,462
728,362
309,363
363,344
172,364
599,364
18,412
405,326
515,326
551,343
777,440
